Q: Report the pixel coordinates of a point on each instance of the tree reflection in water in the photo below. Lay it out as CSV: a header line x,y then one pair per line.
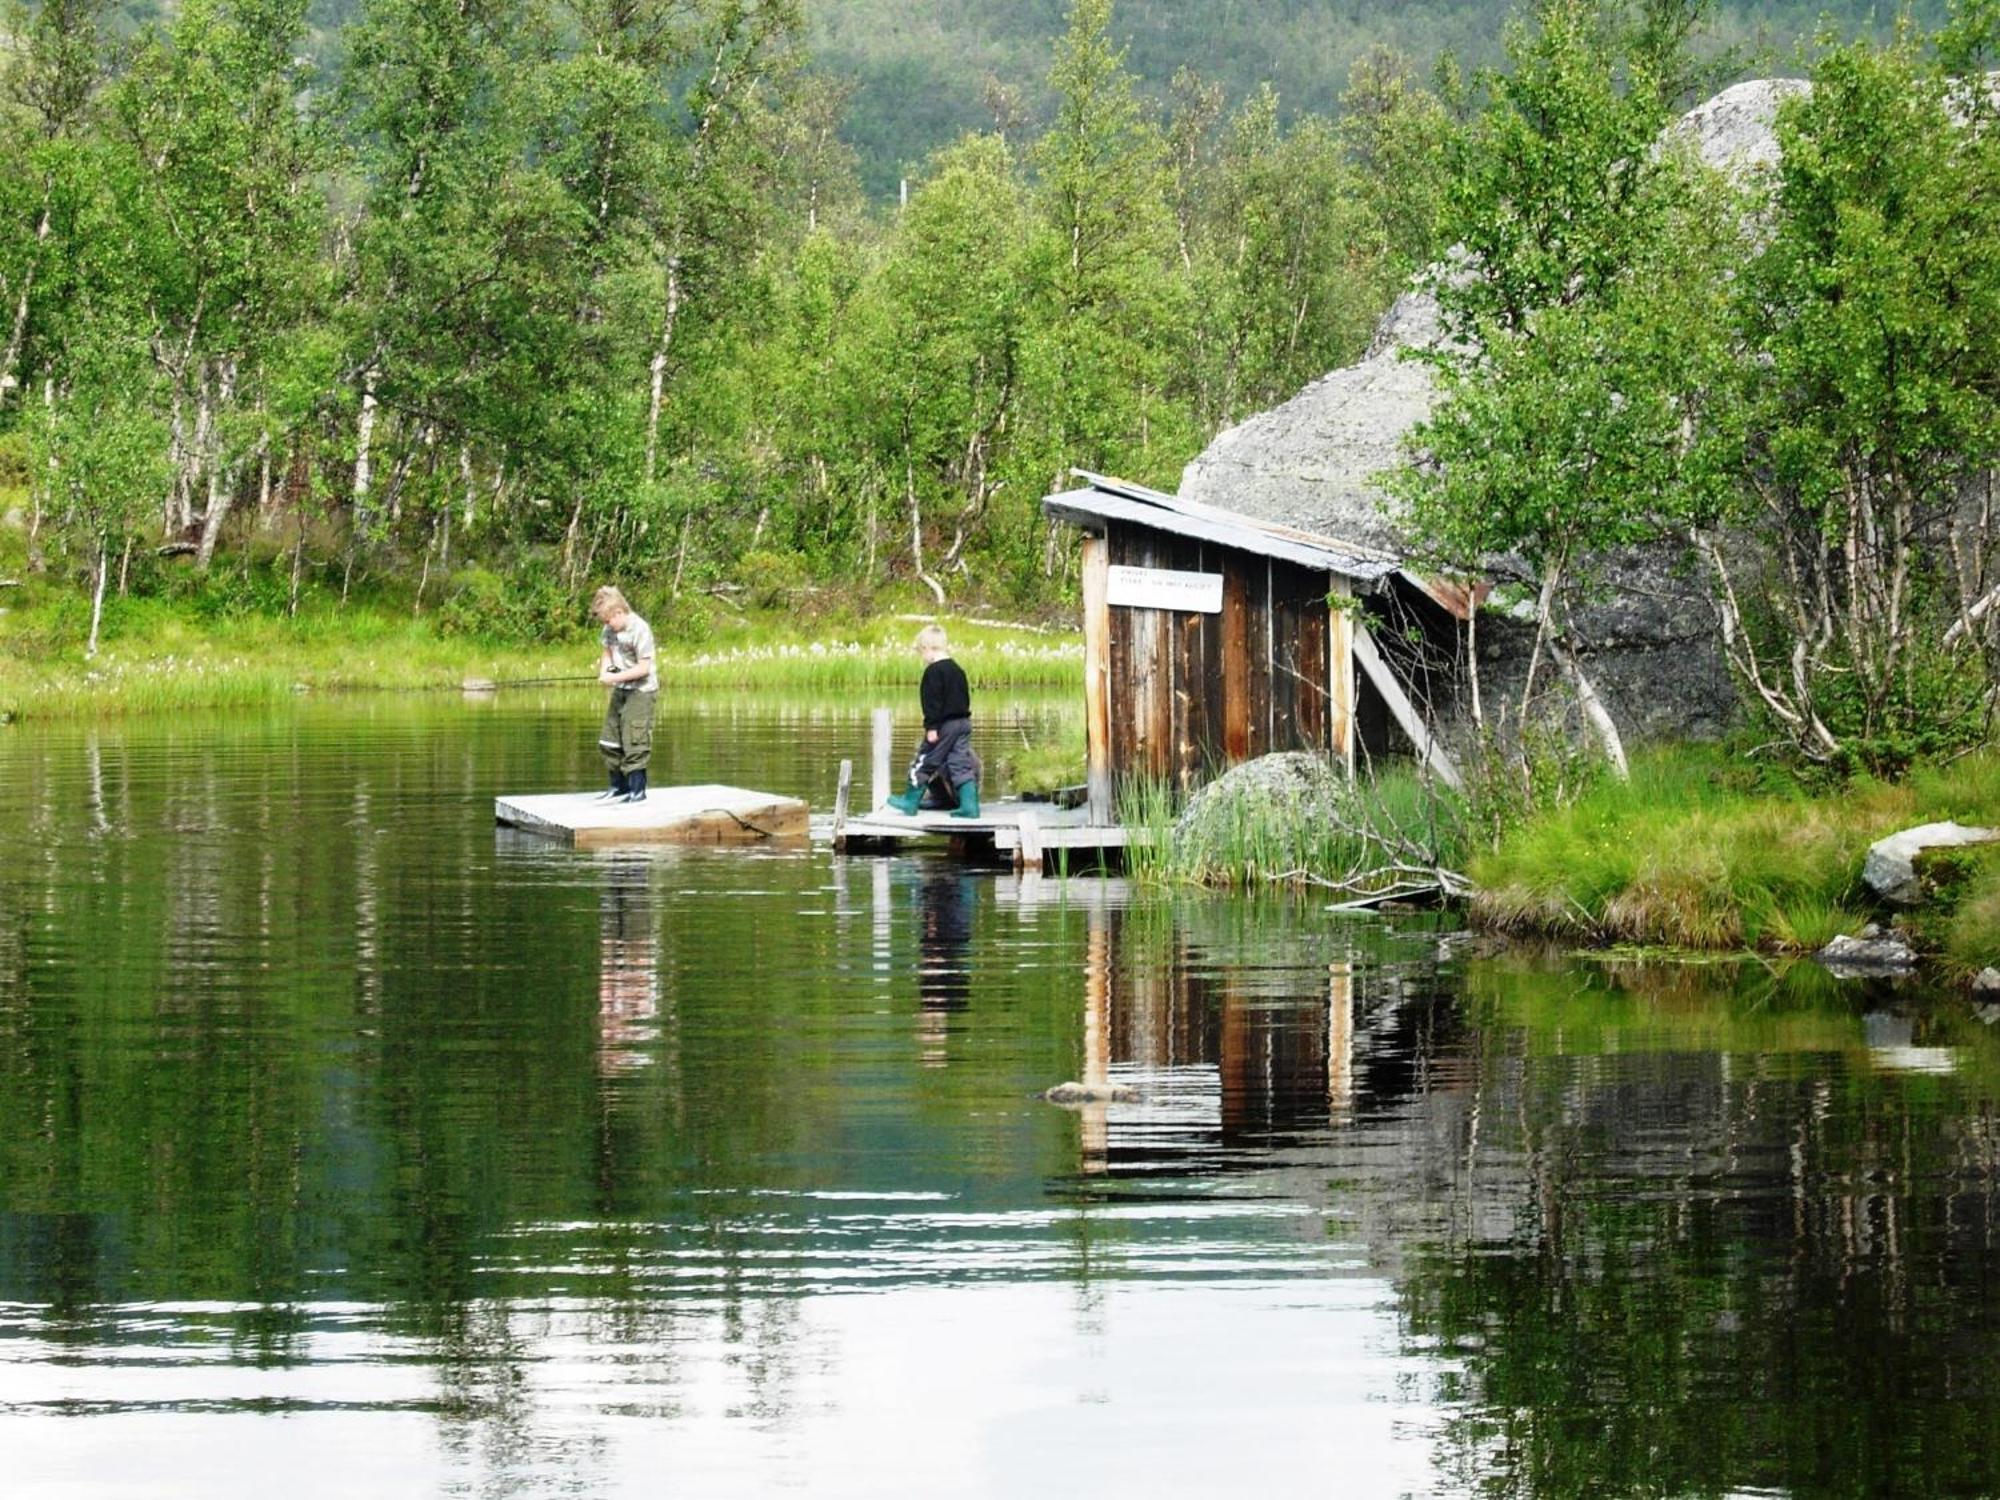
x,y
1681,1231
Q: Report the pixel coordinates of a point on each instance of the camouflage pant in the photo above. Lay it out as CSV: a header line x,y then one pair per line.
x,y
626,740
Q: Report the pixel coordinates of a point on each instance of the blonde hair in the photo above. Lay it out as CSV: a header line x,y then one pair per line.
x,y
931,638
607,599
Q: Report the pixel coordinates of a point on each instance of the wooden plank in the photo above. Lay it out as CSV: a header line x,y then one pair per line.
x,y
1308,593
1119,673
1313,708
880,729
1284,658
1096,679
1400,708
1185,708
1143,684
1236,695
1257,681
1008,840
706,814
841,793
1340,687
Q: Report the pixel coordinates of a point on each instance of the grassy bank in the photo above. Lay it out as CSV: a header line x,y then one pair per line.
x,y
1698,850
156,655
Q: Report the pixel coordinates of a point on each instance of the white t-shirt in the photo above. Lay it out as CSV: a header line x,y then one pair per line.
x,y
629,647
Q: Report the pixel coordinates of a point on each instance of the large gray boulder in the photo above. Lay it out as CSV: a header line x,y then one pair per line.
x,y
1316,462
1313,462
1292,793
1890,870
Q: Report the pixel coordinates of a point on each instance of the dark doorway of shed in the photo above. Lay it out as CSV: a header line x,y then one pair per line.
x,y
1422,643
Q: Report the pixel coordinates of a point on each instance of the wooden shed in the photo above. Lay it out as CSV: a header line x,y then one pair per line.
x,y
1212,637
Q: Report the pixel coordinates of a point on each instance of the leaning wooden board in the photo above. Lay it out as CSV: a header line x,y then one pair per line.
x,y
670,815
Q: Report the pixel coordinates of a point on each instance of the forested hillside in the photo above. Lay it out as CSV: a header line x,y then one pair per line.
x,y
913,75
922,71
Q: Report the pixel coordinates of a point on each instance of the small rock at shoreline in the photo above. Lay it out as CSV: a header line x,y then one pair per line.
x,y
1091,1093
1986,981
1860,958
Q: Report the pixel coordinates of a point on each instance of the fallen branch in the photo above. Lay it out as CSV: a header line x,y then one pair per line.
x,y
1974,613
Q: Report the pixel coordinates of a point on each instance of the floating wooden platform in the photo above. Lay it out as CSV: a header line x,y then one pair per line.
x,y
669,815
1020,833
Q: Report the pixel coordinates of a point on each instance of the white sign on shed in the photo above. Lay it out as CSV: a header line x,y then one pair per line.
x,y
1164,588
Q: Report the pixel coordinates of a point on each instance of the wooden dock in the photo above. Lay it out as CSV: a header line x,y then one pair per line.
x,y
707,814
1022,834
1027,835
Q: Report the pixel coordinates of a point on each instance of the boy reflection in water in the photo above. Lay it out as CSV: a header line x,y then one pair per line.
x,y
944,981
628,967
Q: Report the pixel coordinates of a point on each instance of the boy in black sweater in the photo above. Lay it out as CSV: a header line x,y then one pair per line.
x,y
945,759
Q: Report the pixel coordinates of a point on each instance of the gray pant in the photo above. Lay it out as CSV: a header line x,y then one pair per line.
x,y
950,760
626,740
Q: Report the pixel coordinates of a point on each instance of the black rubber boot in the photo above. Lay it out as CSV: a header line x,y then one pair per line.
x,y
635,782
616,791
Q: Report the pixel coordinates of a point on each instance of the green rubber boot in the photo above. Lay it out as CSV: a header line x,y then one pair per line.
x,y
908,802
968,800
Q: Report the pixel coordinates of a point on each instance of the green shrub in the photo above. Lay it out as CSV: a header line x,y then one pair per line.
x,y
527,606
14,460
772,579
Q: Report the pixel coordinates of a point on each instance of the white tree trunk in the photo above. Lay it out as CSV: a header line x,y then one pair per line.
x,y
12,356
97,595
659,366
364,438
179,510
1594,712
221,477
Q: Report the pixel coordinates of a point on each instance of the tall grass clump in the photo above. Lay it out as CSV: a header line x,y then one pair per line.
x,y
1301,822
1972,933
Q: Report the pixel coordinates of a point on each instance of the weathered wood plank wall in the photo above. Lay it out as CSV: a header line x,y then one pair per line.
x,y
1190,694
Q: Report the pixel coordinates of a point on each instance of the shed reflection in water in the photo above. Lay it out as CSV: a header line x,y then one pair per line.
x,y
1677,1231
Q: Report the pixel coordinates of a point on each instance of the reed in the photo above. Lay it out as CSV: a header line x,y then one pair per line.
x,y
1371,837
160,658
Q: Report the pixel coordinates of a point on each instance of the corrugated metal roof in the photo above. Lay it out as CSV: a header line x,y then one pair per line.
x,y
1106,499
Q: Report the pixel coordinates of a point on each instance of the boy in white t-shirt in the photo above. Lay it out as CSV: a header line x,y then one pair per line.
x,y
626,667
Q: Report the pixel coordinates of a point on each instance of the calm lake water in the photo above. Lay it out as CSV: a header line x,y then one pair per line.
x,y
349,1145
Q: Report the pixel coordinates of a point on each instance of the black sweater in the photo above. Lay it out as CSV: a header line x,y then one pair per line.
x,y
945,692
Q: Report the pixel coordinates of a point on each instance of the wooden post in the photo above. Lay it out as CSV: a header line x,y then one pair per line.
x,y
1339,1039
1028,847
1094,1126
1097,678
878,776
840,796
1340,685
